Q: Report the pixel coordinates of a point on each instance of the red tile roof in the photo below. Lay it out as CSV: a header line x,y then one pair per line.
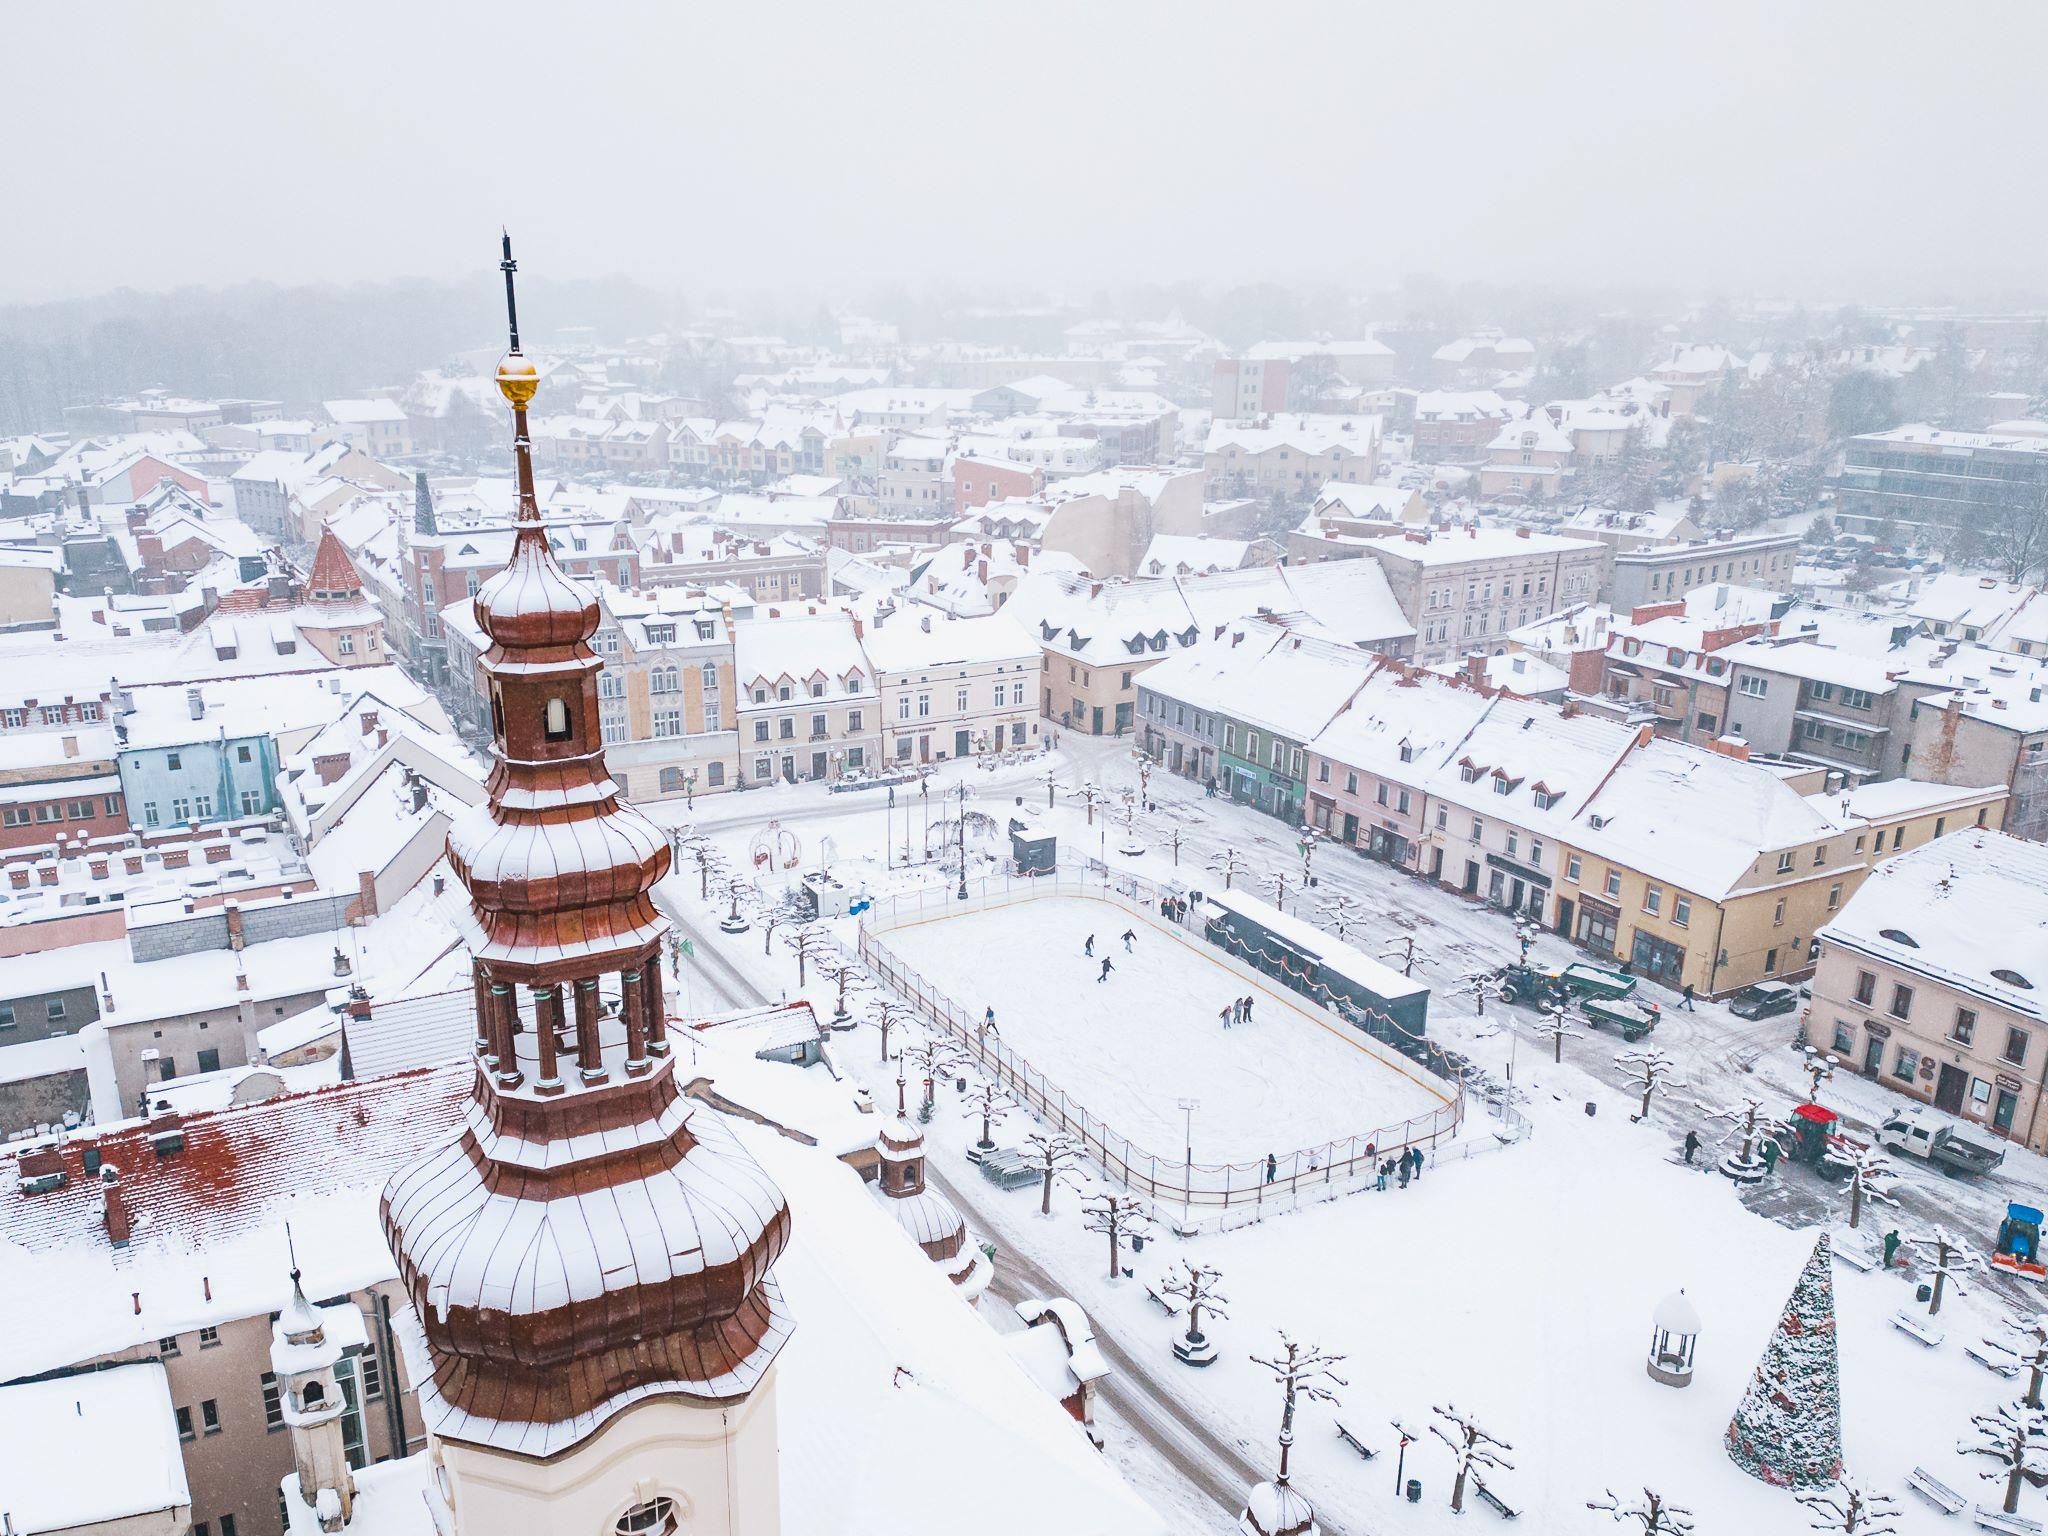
x,y
332,571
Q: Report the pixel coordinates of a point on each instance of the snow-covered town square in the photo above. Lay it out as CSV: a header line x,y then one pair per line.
x,y
1133,770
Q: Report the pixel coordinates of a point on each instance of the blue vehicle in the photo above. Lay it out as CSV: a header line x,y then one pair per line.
x,y
2019,1242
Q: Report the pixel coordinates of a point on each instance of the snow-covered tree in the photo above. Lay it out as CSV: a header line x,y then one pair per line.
x,y
703,853
1557,1027
1787,1429
1649,1069
1229,864
1341,913
1404,952
1116,1217
1090,794
2014,1439
1950,1257
1053,1154
740,892
1852,1508
811,944
1305,1373
890,1012
1870,1174
1820,1067
1052,785
1653,1514
1199,1285
776,913
988,1100
1173,840
2026,1348
931,1059
1754,1137
1475,1452
846,973
1277,885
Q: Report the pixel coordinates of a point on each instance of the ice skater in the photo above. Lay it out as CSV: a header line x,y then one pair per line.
x,y
1129,934
988,1020
1088,949
1228,1012
1247,1011
1415,1154
1106,969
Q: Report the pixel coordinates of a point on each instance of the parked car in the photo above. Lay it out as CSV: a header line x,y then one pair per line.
x,y
1764,998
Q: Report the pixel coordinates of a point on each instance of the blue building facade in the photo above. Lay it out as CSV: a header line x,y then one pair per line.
x,y
199,781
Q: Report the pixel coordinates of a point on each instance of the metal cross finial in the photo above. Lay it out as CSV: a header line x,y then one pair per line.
x,y
291,1252
508,266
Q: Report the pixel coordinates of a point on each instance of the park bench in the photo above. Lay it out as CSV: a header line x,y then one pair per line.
x,y
2006,1525
1355,1443
1170,1305
1500,1505
1935,1491
1983,1356
1912,1324
1856,1253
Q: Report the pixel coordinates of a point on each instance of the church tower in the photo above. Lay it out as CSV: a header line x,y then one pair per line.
x,y
303,1358
590,1258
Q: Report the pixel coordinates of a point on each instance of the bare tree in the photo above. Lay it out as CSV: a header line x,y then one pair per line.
x,y
1117,1217
1649,1069
1302,1371
1557,1026
845,972
1341,913
1052,784
1870,1172
889,1012
1403,951
932,1058
2014,532
988,1100
703,853
1851,1508
739,890
1173,836
1052,1154
775,914
1754,1135
1277,885
1091,794
1653,1514
1229,864
1951,1258
2026,1348
1476,1451
1198,1286
2014,1439
811,943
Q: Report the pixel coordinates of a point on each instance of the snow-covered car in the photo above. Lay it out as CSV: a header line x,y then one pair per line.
x,y
1764,998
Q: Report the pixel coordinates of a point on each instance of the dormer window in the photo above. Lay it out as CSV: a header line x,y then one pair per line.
x,y
656,1517
555,720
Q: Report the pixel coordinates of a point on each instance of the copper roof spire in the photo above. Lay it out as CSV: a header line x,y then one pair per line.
x,y
591,1236
518,380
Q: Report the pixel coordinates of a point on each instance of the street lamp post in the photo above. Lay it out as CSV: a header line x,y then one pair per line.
x,y
961,894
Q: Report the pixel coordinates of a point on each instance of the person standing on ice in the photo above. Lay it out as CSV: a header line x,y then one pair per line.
x,y
1692,1146
1088,949
1106,969
1247,1010
1416,1153
1272,1167
988,1020
1228,1012
1129,935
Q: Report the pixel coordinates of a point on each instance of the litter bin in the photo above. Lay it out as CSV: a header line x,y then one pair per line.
x,y
1924,1293
1414,1490
1592,1109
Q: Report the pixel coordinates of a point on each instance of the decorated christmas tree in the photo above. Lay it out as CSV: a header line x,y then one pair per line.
x,y
1788,1428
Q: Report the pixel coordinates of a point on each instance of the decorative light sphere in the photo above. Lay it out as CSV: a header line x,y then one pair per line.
x,y
518,379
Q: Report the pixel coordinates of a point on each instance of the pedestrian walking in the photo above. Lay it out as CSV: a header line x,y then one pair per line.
x,y
1227,1013
1247,1010
1272,1167
988,1020
1686,1001
1129,935
1692,1146
1088,948
1106,969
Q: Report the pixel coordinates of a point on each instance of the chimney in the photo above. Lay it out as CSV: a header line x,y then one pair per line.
x,y
237,939
981,571
1650,612
1475,668
859,629
1521,533
195,704
366,888
1023,554
1645,734
116,1212
1730,746
925,623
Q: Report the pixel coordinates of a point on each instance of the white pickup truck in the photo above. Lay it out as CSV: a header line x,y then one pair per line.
x,y
1935,1141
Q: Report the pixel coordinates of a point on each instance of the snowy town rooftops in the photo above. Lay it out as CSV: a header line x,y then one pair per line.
x,y
1401,715
1515,349
1937,438
1888,799
1817,664
798,648
1315,436
1956,601
1536,433
1464,405
167,715
361,412
1456,547
1530,759
125,1412
910,642
1969,910
1267,678
1291,351
2000,689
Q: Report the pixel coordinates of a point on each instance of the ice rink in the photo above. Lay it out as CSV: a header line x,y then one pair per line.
x,y
1130,1047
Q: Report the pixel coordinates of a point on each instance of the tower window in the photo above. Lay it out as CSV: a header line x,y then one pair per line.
x,y
555,721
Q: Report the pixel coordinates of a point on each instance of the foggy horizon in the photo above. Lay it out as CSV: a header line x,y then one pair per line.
x,y
1056,152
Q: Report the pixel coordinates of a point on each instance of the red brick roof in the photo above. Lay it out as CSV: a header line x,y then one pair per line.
x,y
333,571
236,1163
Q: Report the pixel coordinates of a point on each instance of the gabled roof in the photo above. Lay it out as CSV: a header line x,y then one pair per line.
x,y
333,574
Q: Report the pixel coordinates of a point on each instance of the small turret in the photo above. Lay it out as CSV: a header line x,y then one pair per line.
x,y
304,1354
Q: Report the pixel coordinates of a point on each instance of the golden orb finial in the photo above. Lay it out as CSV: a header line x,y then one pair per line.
x,y
518,379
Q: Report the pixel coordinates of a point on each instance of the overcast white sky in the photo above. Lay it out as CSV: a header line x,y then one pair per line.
x,y
1835,151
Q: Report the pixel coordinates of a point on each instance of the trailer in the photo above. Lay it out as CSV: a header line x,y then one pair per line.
x,y
1584,979
1632,1020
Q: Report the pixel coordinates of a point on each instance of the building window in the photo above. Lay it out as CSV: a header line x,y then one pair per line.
x,y
1966,1026
1653,899
2016,1046
167,1346
209,1338
209,1415
1902,1001
668,722
1613,882
1681,911
185,1430
1571,869
1866,988
657,1517
1907,1064
1785,862
555,720
1754,686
